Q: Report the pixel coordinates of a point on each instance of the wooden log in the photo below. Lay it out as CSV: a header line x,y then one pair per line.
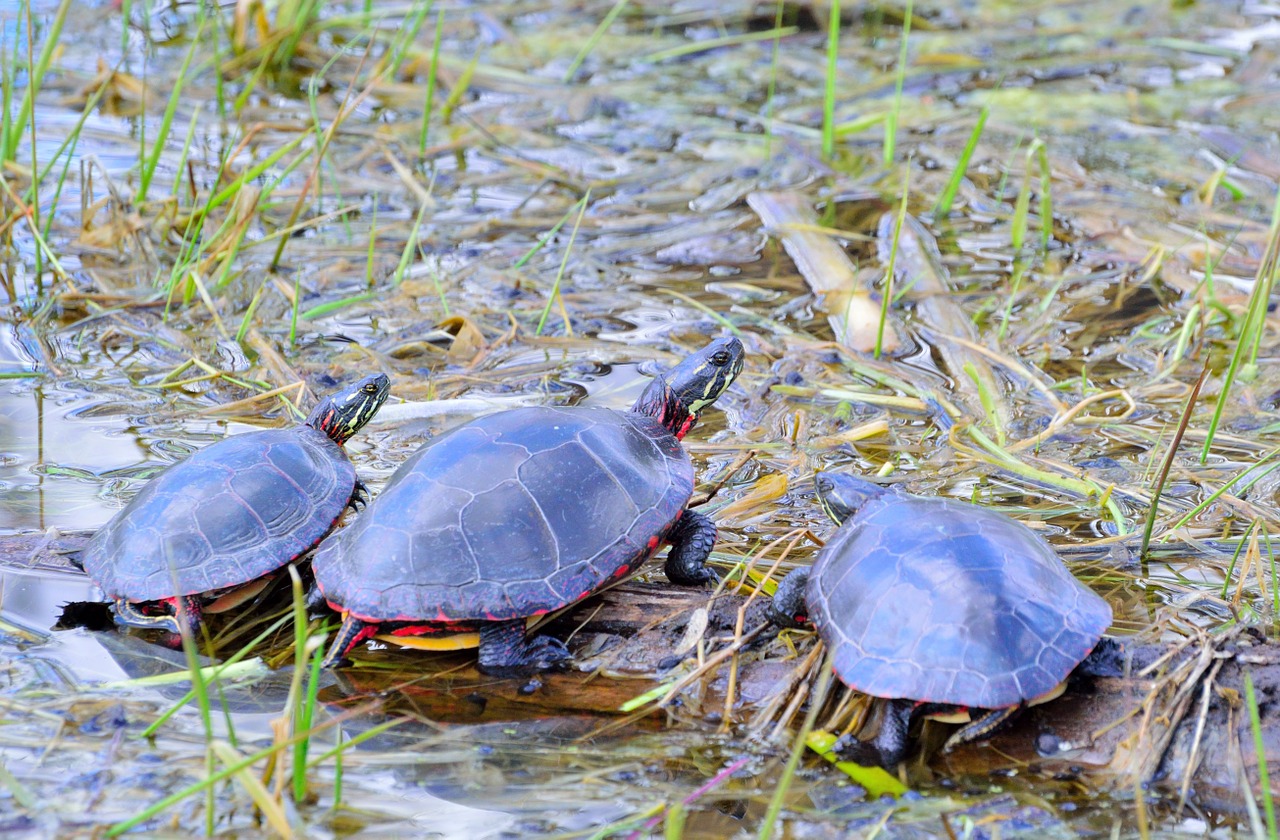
x,y
1176,721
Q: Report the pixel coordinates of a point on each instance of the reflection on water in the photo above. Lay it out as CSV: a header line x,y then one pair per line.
x,y
50,461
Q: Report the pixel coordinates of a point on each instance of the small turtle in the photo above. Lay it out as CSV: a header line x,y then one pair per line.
x,y
941,606
525,511
230,514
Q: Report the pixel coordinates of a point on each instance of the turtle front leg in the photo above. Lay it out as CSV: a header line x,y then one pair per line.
x,y
788,608
889,746
186,610
352,632
506,650
691,541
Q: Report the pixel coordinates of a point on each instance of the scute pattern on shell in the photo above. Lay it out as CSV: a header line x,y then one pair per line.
x,y
510,515
945,602
230,513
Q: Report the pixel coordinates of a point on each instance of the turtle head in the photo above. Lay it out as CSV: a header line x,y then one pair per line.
x,y
788,609
341,415
841,494
679,395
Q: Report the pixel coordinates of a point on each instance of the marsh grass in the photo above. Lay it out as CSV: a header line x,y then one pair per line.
x,y
947,198
1244,356
593,40
429,98
159,143
830,79
1260,752
887,291
13,125
852,410
798,747
555,297
900,73
1158,490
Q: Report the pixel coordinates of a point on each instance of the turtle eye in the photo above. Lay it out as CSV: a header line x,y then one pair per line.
x,y
370,388
720,359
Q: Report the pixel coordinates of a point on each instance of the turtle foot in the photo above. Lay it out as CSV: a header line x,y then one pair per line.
x,y
359,496
691,542
186,609
506,652
889,747
352,632
1107,659
864,753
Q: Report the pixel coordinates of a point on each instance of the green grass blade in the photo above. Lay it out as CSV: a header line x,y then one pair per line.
x,y
829,83
1046,197
948,196
51,37
1158,490
432,72
166,121
798,746
593,40
564,261
887,292
1259,754
891,124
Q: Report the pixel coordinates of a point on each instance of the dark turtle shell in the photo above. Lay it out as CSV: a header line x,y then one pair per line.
x,y
945,602
567,500
230,513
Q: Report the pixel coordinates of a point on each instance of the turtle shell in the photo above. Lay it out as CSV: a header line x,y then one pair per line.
x,y
511,515
945,602
230,513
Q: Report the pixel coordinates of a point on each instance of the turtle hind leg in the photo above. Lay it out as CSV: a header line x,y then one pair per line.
x,y
186,610
352,632
989,724
691,541
889,746
506,651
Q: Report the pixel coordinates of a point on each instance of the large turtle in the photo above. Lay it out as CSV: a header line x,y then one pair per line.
x,y
525,511
941,606
231,513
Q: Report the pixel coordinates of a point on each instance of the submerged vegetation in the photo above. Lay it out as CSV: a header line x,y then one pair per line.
x,y
1019,255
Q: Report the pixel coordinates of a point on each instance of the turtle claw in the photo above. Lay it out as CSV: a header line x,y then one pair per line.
x,y
359,496
548,653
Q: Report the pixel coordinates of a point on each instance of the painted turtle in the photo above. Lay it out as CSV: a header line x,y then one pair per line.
x,y
525,511
942,606
230,514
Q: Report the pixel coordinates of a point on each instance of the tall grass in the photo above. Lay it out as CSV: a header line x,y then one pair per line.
x,y
829,86
149,163
564,261
14,125
891,124
772,87
1244,359
593,40
432,74
887,292
948,195
1260,757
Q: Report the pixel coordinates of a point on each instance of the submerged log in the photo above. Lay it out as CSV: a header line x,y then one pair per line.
x,y
1177,721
